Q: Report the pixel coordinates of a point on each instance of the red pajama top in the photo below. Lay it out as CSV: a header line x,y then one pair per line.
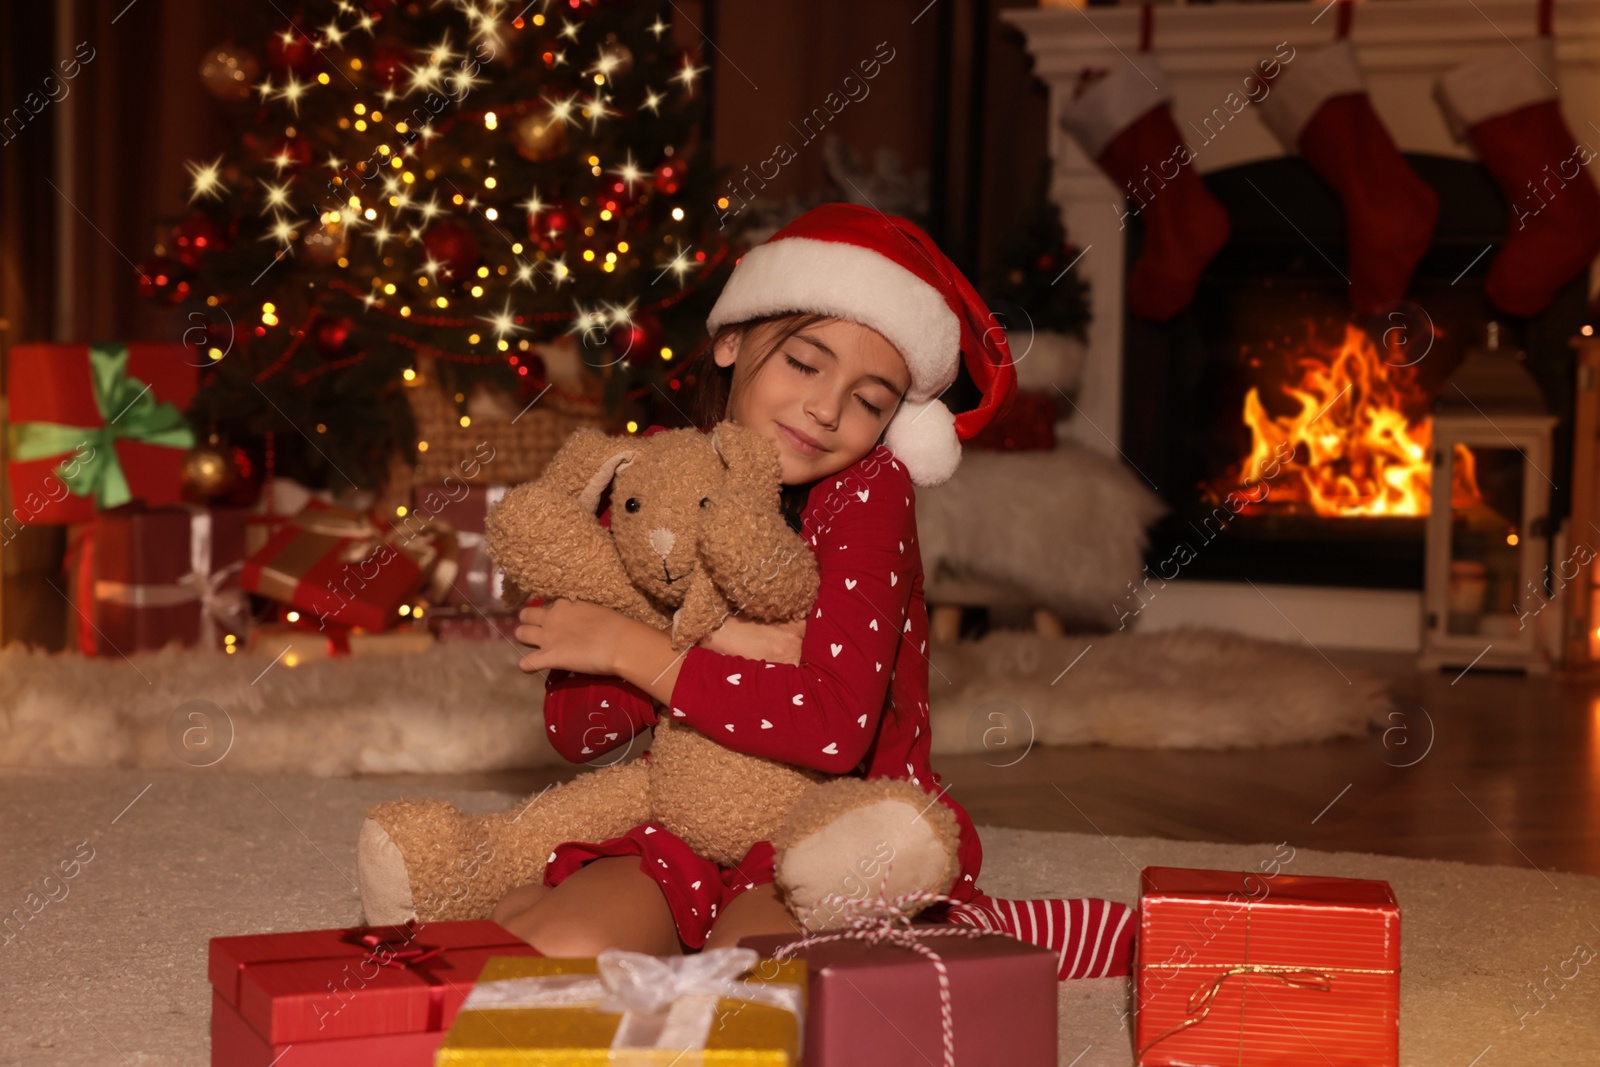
x,y
857,703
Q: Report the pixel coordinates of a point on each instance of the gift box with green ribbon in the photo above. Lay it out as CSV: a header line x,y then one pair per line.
x,y
96,426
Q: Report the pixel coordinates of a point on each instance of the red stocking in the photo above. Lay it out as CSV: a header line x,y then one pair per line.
x,y
1123,123
1319,106
1510,114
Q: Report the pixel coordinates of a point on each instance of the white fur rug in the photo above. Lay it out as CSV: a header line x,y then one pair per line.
x,y
1062,528
464,706
111,969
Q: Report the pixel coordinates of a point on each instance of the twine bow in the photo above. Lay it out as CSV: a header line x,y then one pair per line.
x,y
127,410
887,920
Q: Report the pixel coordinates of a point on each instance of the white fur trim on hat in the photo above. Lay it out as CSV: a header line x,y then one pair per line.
x,y
1497,84
854,283
1111,104
922,435
1301,89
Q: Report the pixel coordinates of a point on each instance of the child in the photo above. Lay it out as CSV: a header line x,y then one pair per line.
x,y
833,339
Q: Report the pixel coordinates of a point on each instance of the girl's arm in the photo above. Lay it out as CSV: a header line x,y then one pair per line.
x,y
822,713
587,715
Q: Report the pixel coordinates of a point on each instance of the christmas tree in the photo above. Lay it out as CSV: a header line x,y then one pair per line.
x,y
441,184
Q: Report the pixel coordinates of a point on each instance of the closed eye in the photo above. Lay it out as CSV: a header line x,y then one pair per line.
x,y
806,368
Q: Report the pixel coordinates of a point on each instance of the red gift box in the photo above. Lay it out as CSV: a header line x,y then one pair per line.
x,y
871,1005
96,426
477,582
1250,970
147,577
370,995
338,566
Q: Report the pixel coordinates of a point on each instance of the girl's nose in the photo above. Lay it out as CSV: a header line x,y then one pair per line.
x,y
662,540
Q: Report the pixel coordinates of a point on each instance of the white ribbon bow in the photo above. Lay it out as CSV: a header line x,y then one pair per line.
x,y
666,1002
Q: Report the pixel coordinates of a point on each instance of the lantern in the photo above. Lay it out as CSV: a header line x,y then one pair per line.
x,y
1488,523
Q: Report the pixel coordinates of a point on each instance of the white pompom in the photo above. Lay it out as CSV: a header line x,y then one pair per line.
x,y
922,435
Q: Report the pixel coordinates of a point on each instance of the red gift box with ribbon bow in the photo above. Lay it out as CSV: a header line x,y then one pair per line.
x,y
964,997
96,426
339,566
341,998
1252,969
149,576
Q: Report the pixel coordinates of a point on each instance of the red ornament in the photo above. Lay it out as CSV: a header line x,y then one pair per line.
x,y
550,228
389,62
618,198
669,177
195,237
332,334
452,245
163,279
636,341
290,50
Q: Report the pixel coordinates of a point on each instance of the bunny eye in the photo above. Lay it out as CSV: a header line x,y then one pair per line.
x,y
704,501
631,505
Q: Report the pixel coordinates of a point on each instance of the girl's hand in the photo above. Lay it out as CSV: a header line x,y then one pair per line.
x,y
777,642
571,635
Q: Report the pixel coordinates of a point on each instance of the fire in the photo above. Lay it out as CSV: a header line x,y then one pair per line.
x,y
1357,451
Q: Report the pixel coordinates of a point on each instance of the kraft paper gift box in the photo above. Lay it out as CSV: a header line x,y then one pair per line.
x,y
1252,970
95,426
382,996
717,1008
873,1005
478,582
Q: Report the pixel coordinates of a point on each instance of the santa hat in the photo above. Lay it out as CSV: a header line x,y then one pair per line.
x,y
882,271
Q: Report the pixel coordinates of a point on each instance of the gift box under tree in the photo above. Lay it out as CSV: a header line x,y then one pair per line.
x,y
475,589
150,576
338,566
1250,970
346,998
96,426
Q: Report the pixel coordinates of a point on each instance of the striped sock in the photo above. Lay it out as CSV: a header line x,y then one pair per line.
x,y
1092,938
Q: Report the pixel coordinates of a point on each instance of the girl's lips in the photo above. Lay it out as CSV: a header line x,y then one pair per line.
x,y
802,444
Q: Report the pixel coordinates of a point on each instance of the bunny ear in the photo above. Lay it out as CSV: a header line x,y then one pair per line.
x,y
586,463
610,467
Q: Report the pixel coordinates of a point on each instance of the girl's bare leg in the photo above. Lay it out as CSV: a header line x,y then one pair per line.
x,y
754,912
609,903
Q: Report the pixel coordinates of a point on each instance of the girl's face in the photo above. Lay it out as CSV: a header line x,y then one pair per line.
x,y
823,398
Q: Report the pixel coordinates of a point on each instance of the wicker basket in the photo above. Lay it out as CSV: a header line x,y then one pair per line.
x,y
520,447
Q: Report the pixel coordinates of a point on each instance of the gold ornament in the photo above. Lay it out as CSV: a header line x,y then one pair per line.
x,y
228,72
539,137
208,472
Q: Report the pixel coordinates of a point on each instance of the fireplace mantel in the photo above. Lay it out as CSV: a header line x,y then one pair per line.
x,y
1206,51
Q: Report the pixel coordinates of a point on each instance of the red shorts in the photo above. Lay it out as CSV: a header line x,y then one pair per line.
x,y
697,890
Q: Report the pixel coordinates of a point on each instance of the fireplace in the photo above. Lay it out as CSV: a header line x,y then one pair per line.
x,y
1340,582
1318,424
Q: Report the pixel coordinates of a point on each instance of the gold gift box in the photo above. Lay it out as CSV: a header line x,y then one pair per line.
x,y
744,1034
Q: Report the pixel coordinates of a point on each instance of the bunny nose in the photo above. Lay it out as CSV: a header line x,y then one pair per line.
x,y
662,540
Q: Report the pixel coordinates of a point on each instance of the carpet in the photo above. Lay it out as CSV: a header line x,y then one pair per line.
x,y
112,970
464,706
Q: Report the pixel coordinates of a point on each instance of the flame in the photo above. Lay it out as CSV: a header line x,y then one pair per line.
x,y
1356,451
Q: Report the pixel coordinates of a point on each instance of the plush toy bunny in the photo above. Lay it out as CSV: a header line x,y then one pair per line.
x,y
696,535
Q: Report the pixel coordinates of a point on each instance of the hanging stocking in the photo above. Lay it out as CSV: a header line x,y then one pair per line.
x,y
1319,107
1507,108
1123,122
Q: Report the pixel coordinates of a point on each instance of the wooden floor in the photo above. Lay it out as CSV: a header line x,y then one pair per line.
x,y
1482,767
